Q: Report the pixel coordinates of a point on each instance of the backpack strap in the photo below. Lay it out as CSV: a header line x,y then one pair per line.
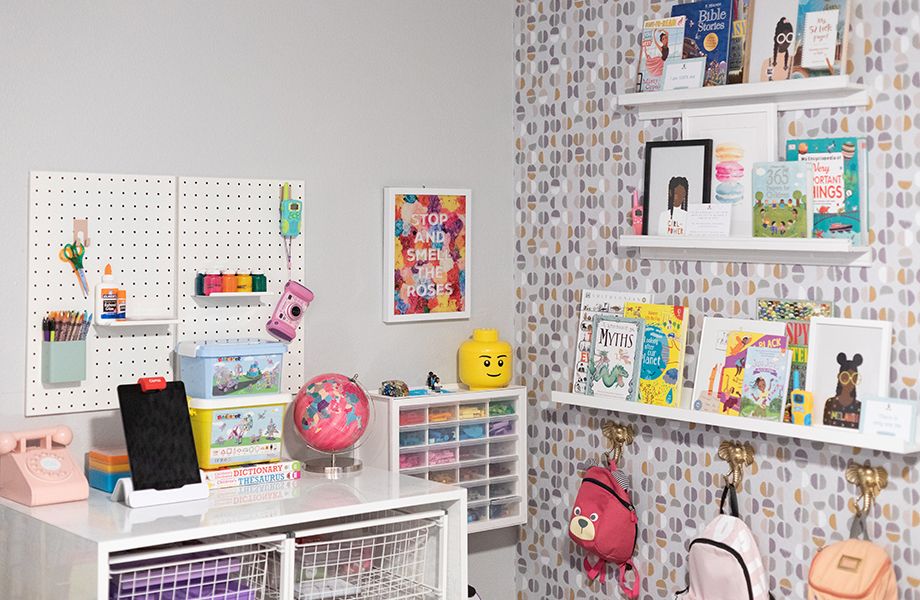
x,y
729,491
859,528
634,591
598,568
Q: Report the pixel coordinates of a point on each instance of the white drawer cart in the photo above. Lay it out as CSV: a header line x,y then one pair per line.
x,y
473,439
376,535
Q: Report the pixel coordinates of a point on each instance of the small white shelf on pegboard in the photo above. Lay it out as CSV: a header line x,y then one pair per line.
x,y
230,295
140,322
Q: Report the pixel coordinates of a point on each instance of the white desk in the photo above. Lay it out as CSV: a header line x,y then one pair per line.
x,y
61,552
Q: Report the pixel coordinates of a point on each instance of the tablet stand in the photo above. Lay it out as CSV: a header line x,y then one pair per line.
x,y
125,492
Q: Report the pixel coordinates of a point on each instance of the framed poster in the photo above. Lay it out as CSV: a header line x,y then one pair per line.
x,y
425,251
677,174
741,136
848,359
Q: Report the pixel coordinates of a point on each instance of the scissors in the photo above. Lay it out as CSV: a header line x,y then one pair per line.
x,y
73,253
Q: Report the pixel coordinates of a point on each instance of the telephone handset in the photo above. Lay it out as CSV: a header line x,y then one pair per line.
x,y
35,475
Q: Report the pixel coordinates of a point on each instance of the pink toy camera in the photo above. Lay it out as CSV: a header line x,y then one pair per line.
x,y
287,315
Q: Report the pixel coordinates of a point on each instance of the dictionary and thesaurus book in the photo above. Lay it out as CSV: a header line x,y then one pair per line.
x,y
663,351
708,32
839,194
252,474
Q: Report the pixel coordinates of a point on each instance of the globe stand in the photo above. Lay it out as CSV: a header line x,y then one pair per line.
x,y
334,466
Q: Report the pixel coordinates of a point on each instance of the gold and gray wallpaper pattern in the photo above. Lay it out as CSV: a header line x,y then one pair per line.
x,y
578,157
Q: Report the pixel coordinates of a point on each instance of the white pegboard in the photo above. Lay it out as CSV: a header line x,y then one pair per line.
x,y
132,226
235,224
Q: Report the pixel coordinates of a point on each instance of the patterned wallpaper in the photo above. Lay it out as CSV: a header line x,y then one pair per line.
x,y
577,161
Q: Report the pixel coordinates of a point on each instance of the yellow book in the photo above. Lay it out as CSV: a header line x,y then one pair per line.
x,y
663,351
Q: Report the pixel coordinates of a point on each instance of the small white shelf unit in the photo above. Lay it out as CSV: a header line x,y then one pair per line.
x,y
139,322
794,94
829,435
477,440
825,252
229,295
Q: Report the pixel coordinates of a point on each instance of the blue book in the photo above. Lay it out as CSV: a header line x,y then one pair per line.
x,y
839,194
708,32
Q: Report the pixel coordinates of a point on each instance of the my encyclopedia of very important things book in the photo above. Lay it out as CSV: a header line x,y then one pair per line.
x,y
707,32
839,192
662,351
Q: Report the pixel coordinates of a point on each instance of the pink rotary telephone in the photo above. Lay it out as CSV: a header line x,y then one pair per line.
x,y
35,475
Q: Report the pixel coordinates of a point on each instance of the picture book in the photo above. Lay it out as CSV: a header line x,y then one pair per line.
x,y
594,302
765,381
662,41
821,38
797,342
740,10
732,380
707,32
839,192
781,193
710,359
663,350
616,360
770,42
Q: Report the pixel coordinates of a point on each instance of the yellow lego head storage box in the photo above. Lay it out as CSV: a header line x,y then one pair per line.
x,y
237,431
484,362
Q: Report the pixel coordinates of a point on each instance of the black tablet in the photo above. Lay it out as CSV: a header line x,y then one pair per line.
x,y
158,434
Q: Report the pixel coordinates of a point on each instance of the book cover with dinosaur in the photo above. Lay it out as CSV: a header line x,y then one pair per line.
x,y
616,360
732,382
663,348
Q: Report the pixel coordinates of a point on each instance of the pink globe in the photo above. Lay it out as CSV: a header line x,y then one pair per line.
x,y
331,412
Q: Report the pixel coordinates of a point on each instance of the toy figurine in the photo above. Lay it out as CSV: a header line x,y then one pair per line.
x,y
433,382
484,362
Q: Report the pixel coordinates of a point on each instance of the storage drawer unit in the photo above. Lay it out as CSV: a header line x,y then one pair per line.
x,y
474,439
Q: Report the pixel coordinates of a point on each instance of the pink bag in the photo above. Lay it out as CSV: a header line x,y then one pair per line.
x,y
604,523
724,562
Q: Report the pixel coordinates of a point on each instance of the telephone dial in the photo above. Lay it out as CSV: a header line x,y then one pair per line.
x,y
40,474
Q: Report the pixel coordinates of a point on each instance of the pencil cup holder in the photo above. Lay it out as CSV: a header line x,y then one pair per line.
x,y
63,361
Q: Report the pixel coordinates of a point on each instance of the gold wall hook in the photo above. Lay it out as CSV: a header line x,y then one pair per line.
x,y
618,435
870,480
738,456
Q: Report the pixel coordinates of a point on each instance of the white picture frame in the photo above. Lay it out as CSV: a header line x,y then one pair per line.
x,y
830,337
741,136
435,222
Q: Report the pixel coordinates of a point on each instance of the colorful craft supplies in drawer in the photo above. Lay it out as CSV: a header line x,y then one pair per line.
x,y
475,492
502,448
440,414
501,469
411,416
442,456
415,437
411,460
472,411
448,476
501,427
477,513
441,435
502,489
500,408
505,507
472,473
473,431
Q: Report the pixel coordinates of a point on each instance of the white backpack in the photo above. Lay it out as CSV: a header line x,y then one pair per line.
x,y
724,562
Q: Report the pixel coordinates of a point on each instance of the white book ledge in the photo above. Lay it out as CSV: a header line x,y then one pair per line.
x,y
829,435
811,251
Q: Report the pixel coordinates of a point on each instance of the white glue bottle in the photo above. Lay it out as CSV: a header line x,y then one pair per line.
x,y
106,299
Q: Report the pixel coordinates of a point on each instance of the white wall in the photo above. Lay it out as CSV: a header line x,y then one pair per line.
x,y
348,96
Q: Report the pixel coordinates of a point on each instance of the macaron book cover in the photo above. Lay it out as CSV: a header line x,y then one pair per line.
x,y
782,199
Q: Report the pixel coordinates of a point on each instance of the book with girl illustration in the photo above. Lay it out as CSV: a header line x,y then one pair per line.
x,y
662,41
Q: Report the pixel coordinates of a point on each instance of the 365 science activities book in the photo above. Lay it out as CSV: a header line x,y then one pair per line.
x,y
782,192
708,32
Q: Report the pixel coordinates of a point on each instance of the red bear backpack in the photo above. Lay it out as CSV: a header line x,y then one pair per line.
x,y
604,523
